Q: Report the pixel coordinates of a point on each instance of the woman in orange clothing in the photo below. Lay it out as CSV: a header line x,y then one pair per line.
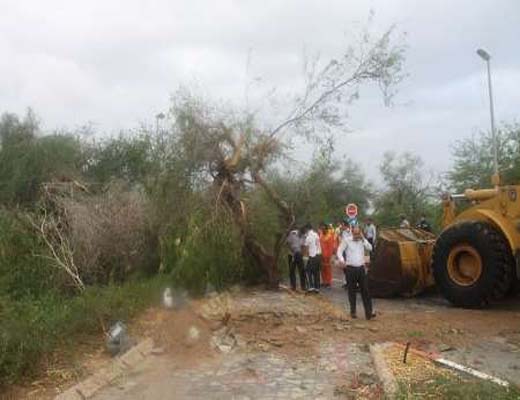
x,y
328,245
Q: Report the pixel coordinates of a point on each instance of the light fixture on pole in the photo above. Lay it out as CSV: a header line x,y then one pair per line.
x,y
486,57
157,118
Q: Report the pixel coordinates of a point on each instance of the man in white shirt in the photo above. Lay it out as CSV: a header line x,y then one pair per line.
x,y
312,249
370,232
345,233
354,261
404,222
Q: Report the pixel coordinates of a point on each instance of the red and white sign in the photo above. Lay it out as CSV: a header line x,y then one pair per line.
x,y
351,210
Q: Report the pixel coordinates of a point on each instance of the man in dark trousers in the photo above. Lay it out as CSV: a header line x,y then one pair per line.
x,y
294,242
354,261
312,249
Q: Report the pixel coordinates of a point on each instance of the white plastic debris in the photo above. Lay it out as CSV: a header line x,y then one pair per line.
x,y
118,340
168,298
192,336
193,333
472,371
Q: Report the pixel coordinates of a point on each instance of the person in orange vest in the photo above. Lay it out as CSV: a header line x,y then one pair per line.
x,y
328,243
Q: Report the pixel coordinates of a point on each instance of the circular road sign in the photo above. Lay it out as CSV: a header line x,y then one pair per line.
x,y
351,210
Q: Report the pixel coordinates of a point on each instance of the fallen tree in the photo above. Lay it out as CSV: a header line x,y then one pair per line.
x,y
233,155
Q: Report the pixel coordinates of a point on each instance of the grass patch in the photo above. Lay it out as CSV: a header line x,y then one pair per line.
x,y
455,387
31,329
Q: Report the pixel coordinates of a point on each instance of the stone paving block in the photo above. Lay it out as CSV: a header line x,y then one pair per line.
x,y
132,357
110,373
90,386
93,384
145,347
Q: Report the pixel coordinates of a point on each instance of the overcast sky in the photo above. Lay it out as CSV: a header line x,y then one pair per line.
x,y
116,63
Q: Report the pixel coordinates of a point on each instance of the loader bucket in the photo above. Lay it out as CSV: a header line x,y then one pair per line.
x,y
400,265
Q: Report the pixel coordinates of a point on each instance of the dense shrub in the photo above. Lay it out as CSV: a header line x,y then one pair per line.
x,y
101,237
31,328
209,255
24,271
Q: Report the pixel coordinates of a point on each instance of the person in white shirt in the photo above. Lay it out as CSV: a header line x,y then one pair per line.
x,y
370,231
354,262
404,222
312,249
345,233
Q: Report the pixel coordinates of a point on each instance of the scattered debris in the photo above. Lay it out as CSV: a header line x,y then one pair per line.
x,y
167,298
300,329
456,331
275,342
216,307
118,340
366,379
224,340
344,391
157,351
193,335
471,371
445,347
406,352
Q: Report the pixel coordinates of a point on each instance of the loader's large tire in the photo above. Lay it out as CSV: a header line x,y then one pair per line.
x,y
472,264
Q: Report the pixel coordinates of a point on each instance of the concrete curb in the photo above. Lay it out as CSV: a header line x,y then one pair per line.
x,y
385,374
87,388
436,358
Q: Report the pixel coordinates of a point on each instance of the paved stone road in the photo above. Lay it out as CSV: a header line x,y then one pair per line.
x,y
248,376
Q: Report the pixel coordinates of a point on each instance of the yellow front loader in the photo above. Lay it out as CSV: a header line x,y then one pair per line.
x,y
401,262
474,260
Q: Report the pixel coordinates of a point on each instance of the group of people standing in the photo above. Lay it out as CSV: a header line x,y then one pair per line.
x,y
312,254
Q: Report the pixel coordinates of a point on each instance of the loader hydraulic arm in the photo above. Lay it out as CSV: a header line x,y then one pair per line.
x,y
448,210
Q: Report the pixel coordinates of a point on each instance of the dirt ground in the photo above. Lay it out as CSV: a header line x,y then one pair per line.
x,y
292,331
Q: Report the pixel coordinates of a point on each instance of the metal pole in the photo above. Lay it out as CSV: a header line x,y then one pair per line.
x,y
492,111
157,118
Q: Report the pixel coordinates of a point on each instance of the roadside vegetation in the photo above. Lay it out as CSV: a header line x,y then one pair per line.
x,y
455,387
91,230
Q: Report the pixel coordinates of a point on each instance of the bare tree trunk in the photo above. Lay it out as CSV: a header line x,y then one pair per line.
x,y
286,217
229,191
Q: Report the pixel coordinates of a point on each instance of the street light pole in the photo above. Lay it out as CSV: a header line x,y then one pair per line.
x,y
486,57
157,118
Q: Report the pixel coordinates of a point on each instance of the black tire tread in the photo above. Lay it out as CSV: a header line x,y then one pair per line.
x,y
498,273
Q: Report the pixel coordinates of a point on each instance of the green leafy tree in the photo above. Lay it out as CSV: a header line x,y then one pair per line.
x,y
408,189
231,153
321,192
128,158
473,159
27,158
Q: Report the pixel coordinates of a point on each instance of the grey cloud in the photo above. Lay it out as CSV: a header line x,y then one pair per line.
x,y
117,62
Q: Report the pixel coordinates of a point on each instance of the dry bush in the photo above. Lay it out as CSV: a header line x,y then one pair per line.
x,y
94,238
